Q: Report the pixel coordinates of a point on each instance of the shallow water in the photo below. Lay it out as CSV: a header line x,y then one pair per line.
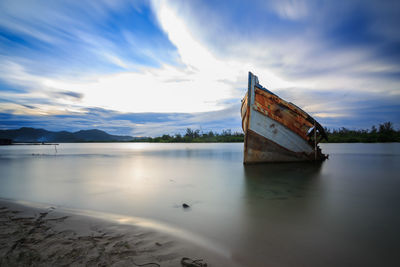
x,y
343,212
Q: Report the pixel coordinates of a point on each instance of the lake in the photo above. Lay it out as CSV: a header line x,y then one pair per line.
x,y
343,212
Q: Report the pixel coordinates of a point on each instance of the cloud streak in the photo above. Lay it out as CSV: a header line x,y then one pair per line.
x,y
136,124
160,66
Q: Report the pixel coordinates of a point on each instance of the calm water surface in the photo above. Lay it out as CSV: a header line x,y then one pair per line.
x,y
343,212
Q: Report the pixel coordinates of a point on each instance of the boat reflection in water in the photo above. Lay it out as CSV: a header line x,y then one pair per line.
x,y
281,210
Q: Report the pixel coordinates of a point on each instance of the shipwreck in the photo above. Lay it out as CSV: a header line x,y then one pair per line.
x,y
276,130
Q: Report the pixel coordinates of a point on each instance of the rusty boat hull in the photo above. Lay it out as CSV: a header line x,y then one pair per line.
x,y
276,130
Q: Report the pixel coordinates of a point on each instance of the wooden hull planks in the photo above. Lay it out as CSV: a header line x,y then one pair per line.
x,y
276,130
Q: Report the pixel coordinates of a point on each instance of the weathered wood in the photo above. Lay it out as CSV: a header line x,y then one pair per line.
x,y
276,130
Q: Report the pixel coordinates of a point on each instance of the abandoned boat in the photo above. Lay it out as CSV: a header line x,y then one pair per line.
x,y
276,130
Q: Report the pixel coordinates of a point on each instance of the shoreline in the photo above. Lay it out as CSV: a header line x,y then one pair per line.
x,y
39,234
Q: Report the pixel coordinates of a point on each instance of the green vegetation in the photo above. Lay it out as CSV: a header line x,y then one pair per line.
x,y
195,136
384,133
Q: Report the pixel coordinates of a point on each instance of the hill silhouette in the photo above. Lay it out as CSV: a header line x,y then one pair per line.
x,y
27,134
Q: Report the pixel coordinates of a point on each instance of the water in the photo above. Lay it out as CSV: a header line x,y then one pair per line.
x,y
343,212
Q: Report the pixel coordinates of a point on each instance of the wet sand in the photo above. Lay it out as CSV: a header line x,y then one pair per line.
x,y
39,235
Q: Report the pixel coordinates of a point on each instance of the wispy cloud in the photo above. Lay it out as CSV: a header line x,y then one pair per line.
x,y
160,66
136,124
325,49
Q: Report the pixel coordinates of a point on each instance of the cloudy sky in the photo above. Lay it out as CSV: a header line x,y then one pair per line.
x,y
150,67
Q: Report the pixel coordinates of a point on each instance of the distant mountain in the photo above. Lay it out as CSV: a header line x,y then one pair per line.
x,y
26,134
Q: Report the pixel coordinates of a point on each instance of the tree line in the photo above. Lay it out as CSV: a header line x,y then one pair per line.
x,y
197,136
383,133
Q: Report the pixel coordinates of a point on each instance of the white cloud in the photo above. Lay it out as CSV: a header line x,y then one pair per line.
x,y
195,86
291,9
206,78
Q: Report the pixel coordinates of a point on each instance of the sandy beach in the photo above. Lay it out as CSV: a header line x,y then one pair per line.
x,y
39,235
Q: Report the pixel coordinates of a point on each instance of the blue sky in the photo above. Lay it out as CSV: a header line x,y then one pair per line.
x,y
145,68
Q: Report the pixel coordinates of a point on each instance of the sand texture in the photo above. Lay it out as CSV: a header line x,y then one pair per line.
x,y
31,236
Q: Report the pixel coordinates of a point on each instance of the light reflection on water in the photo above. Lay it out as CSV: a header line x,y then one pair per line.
x,y
342,212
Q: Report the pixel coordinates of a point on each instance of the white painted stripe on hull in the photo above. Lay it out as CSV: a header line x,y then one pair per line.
x,y
276,132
